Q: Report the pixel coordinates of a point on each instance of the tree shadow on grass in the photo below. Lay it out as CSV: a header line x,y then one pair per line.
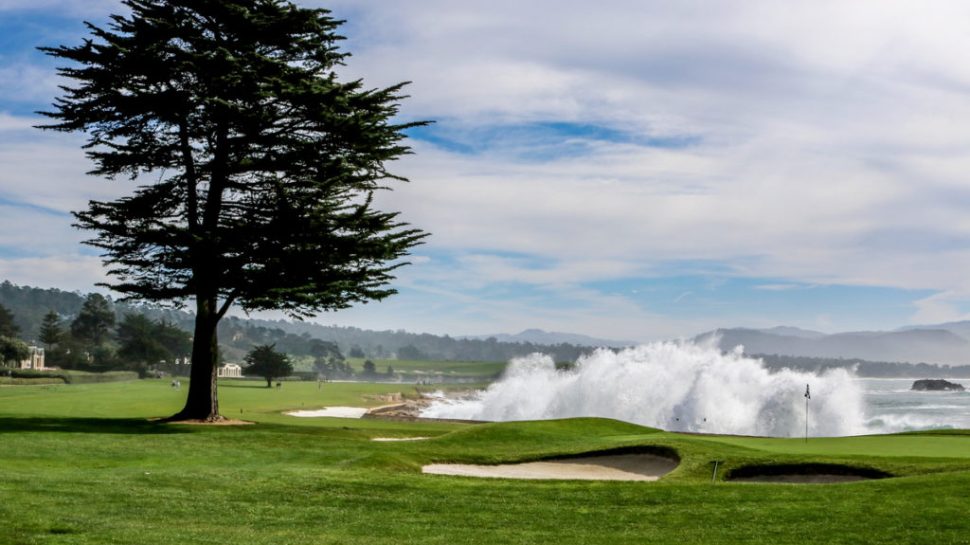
x,y
138,426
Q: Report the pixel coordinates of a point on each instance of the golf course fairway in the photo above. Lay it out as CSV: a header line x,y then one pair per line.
x,y
85,464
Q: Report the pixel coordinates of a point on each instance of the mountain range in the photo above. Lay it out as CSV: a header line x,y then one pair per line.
x,y
947,343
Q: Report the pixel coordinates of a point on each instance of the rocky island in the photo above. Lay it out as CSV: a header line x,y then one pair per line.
x,y
936,385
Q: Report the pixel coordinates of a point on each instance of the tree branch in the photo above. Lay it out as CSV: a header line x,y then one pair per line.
x,y
227,304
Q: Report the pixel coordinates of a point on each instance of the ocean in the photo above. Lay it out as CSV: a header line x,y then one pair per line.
x,y
891,406
682,386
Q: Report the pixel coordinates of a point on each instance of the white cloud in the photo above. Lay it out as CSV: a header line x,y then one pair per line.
x,y
826,130
48,169
14,123
829,147
79,8
938,308
27,82
781,287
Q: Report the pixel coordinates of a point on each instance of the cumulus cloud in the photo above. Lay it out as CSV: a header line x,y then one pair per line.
x,y
829,146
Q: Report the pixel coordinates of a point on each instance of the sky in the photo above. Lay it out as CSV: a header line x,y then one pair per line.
x,y
632,169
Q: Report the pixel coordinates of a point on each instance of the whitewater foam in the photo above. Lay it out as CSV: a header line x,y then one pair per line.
x,y
678,386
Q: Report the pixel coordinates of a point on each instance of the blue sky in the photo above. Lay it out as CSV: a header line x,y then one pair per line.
x,y
639,171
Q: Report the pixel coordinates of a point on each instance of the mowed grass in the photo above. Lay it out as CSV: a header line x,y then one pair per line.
x,y
82,464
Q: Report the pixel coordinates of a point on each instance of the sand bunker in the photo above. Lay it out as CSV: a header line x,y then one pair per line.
x,y
805,474
617,467
390,439
821,478
335,412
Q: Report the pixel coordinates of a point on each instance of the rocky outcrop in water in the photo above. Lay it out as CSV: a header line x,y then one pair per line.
x,y
936,385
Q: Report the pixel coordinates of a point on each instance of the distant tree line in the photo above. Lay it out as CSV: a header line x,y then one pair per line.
x,y
94,340
238,336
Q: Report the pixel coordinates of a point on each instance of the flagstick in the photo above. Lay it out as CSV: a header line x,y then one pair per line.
x,y
807,397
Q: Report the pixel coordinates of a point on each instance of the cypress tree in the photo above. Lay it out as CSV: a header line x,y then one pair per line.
x,y
94,322
264,361
257,166
51,331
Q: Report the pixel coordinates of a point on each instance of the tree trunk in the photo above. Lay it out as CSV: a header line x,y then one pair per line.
x,y
269,382
203,400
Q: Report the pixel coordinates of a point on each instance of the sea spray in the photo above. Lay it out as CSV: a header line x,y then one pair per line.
x,y
678,386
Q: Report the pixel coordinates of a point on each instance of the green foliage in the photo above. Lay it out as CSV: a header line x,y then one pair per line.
x,y
176,341
81,377
327,360
75,377
266,163
94,322
7,326
30,304
146,343
103,358
12,350
325,349
266,179
51,330
264,361
410,352
16,381
369,368
140,346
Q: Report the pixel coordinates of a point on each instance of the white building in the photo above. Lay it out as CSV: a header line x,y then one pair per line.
x,y
230,370
35,360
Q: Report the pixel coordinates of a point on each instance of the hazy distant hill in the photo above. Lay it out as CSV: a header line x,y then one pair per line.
x,y
538,336
909,345
793,332
957,328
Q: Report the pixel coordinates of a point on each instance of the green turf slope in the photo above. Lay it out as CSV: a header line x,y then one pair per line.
x,y
72,470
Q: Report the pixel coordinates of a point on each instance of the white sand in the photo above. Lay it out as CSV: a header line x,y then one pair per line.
x,y
335,412
621,467
388,439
